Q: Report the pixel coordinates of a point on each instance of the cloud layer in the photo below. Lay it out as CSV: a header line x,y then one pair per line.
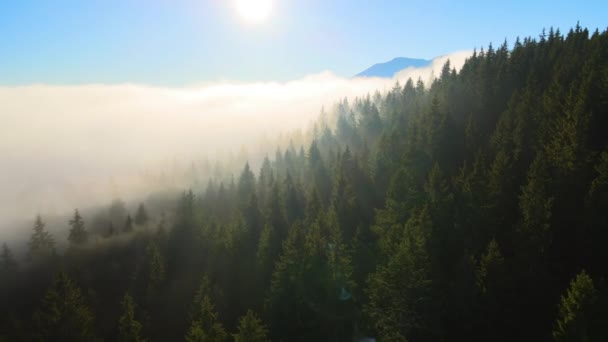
x,y
61,146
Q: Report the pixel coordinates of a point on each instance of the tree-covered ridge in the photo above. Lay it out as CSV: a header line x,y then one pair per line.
x,y
470,209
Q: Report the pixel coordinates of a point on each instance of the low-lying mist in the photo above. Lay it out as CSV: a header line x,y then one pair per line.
x,y
63,147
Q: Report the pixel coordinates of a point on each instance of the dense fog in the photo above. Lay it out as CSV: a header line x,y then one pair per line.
x,y
63,147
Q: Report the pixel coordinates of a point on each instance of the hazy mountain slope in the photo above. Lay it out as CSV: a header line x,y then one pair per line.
x,y
390,68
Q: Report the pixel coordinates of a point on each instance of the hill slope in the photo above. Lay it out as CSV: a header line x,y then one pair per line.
x,y
390,68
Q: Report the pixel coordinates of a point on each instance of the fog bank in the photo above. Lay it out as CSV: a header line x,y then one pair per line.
x,y
63,147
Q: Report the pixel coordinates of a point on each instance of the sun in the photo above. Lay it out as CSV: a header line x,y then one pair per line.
x,y
254,11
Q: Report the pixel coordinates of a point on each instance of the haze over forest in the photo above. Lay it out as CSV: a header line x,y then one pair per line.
x,y
73,146
212,171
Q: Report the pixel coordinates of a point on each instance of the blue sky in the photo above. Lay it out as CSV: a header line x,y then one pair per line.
x,y
181,42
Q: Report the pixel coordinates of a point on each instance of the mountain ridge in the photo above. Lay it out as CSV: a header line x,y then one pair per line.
x,y
390,68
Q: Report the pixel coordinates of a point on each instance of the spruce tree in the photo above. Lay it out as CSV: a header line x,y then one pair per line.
x,y
251,329
64,314
128,227
141,216
111,231
129,329
41,244
578,312
78,233
117,212
153,272
8,264
400,293
205,325
246,186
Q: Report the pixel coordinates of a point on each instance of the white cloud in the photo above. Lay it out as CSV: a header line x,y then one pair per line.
x,y
427,74
59,145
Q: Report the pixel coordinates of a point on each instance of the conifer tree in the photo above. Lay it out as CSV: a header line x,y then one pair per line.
x,y
117,212
246,186
8,264
41,245
141,217
274,233
400,293
129,329
577,311
455,210
282,299
251,329
78,233
320,180
536,207
205,325
111,230
265,181
128,227
155,267
294,208
597,217
490,268
64,314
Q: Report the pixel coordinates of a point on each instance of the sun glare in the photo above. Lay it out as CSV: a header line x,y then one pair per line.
x,y
254,11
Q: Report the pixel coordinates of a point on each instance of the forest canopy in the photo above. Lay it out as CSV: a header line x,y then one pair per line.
x,y
470,208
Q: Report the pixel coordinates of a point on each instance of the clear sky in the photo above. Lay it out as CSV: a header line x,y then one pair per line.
x,y
181,42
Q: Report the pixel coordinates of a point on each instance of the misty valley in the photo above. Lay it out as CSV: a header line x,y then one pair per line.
x,y
459,199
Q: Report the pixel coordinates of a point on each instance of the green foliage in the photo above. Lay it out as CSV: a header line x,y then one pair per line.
x,y
246,186
117,212
196,333
599,186
294,206
8,265
400,293
577,311
205,325
153,271
129,329
78,233
536,204
455,210
141,217
318,173
490,268
41,245
312,281
64,314
251,329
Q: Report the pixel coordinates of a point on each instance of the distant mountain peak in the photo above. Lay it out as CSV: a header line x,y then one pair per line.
x,y
390,68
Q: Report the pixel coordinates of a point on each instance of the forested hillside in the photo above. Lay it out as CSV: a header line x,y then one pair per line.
x,y
475,208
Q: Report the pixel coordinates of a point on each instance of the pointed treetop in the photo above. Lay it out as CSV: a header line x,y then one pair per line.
x,y
78,234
